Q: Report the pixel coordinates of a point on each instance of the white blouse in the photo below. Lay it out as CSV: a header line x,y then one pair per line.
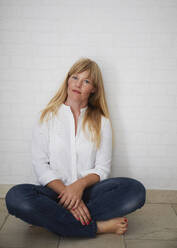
x,y
58,154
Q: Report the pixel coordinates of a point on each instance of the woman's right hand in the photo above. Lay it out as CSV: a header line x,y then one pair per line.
x,y
81,213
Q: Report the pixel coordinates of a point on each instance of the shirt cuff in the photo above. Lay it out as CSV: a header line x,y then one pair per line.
x,y
99,172
47,177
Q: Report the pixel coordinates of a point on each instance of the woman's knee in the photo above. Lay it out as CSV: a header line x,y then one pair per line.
x,y
139,191
15,198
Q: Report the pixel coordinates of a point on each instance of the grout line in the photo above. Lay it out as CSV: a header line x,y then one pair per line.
x,y
4,222
164,240
124,242
173,209
59,241
159,203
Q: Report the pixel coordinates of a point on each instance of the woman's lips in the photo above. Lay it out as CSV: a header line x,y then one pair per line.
x,y
77,91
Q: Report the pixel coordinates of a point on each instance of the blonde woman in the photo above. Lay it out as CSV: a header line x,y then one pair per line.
x,y
71,157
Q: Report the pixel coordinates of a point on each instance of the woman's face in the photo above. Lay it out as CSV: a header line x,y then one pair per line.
x,y
80,87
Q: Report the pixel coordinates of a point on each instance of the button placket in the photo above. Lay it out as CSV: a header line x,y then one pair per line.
x,y
73,146
78,128
76,140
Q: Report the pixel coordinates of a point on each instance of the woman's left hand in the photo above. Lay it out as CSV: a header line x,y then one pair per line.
x,y
71,195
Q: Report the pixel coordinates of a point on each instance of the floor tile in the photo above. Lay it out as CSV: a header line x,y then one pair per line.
x,y
152,221
3,217
17,233
100,241
150,244
3,207
154,225
161,196
3,212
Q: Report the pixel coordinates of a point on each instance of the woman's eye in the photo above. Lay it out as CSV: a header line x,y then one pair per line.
x,y
86,81
74,77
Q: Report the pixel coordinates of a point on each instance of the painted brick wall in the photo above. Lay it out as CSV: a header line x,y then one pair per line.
x,y
133,41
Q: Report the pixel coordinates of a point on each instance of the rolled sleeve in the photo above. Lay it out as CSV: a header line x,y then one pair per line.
x,y
101,173
40,154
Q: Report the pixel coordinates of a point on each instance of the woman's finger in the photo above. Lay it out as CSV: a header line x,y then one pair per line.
x,y
83,215
62,200
79,215
75,215
60,195
82,220
72,203
85,209
76,204
66,203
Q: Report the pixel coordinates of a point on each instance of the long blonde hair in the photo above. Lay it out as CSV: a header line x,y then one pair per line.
x,y
97,104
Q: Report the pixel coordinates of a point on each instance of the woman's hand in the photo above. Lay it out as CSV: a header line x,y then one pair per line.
x,y
81,213
71,195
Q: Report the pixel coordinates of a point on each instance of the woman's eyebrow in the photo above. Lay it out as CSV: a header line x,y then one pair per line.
x,y
76,74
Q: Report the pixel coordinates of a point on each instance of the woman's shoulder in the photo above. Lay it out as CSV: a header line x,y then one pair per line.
x,y
41,125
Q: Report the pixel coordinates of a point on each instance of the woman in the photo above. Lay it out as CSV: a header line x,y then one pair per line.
x,y
71,157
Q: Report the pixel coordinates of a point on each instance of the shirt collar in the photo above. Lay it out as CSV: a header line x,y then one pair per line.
x,y
67,107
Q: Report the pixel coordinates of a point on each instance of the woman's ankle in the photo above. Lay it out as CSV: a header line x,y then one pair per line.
x,y
98,227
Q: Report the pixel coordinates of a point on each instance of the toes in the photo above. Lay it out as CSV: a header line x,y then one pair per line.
x,y
123,230
124,225
123,222
119,232
125,219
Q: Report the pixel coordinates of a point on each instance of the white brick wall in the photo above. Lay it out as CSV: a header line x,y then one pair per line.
x,y
133,41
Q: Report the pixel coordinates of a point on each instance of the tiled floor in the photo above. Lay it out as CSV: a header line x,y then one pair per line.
x,y
153,226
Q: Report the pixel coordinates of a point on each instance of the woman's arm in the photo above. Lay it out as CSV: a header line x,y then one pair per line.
x,y
57,185
89,180
103,155
40,157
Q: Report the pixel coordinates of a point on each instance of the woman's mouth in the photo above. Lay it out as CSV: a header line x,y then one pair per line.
x,y
77,91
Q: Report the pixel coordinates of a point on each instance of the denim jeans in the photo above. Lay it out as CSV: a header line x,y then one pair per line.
x,y
106,199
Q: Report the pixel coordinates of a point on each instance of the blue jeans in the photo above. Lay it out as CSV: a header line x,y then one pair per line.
x,y
110,198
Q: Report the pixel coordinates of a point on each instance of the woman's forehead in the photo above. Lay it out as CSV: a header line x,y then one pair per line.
x,y
86,74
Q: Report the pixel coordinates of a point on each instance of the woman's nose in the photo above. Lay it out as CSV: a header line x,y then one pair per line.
x,y
79,83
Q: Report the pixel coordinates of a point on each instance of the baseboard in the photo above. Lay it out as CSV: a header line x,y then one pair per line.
x,y
152,195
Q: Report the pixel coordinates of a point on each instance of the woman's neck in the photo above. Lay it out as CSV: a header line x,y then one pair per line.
x,y
75,107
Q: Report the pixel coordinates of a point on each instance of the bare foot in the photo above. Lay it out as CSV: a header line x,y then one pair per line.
x,y
117,225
